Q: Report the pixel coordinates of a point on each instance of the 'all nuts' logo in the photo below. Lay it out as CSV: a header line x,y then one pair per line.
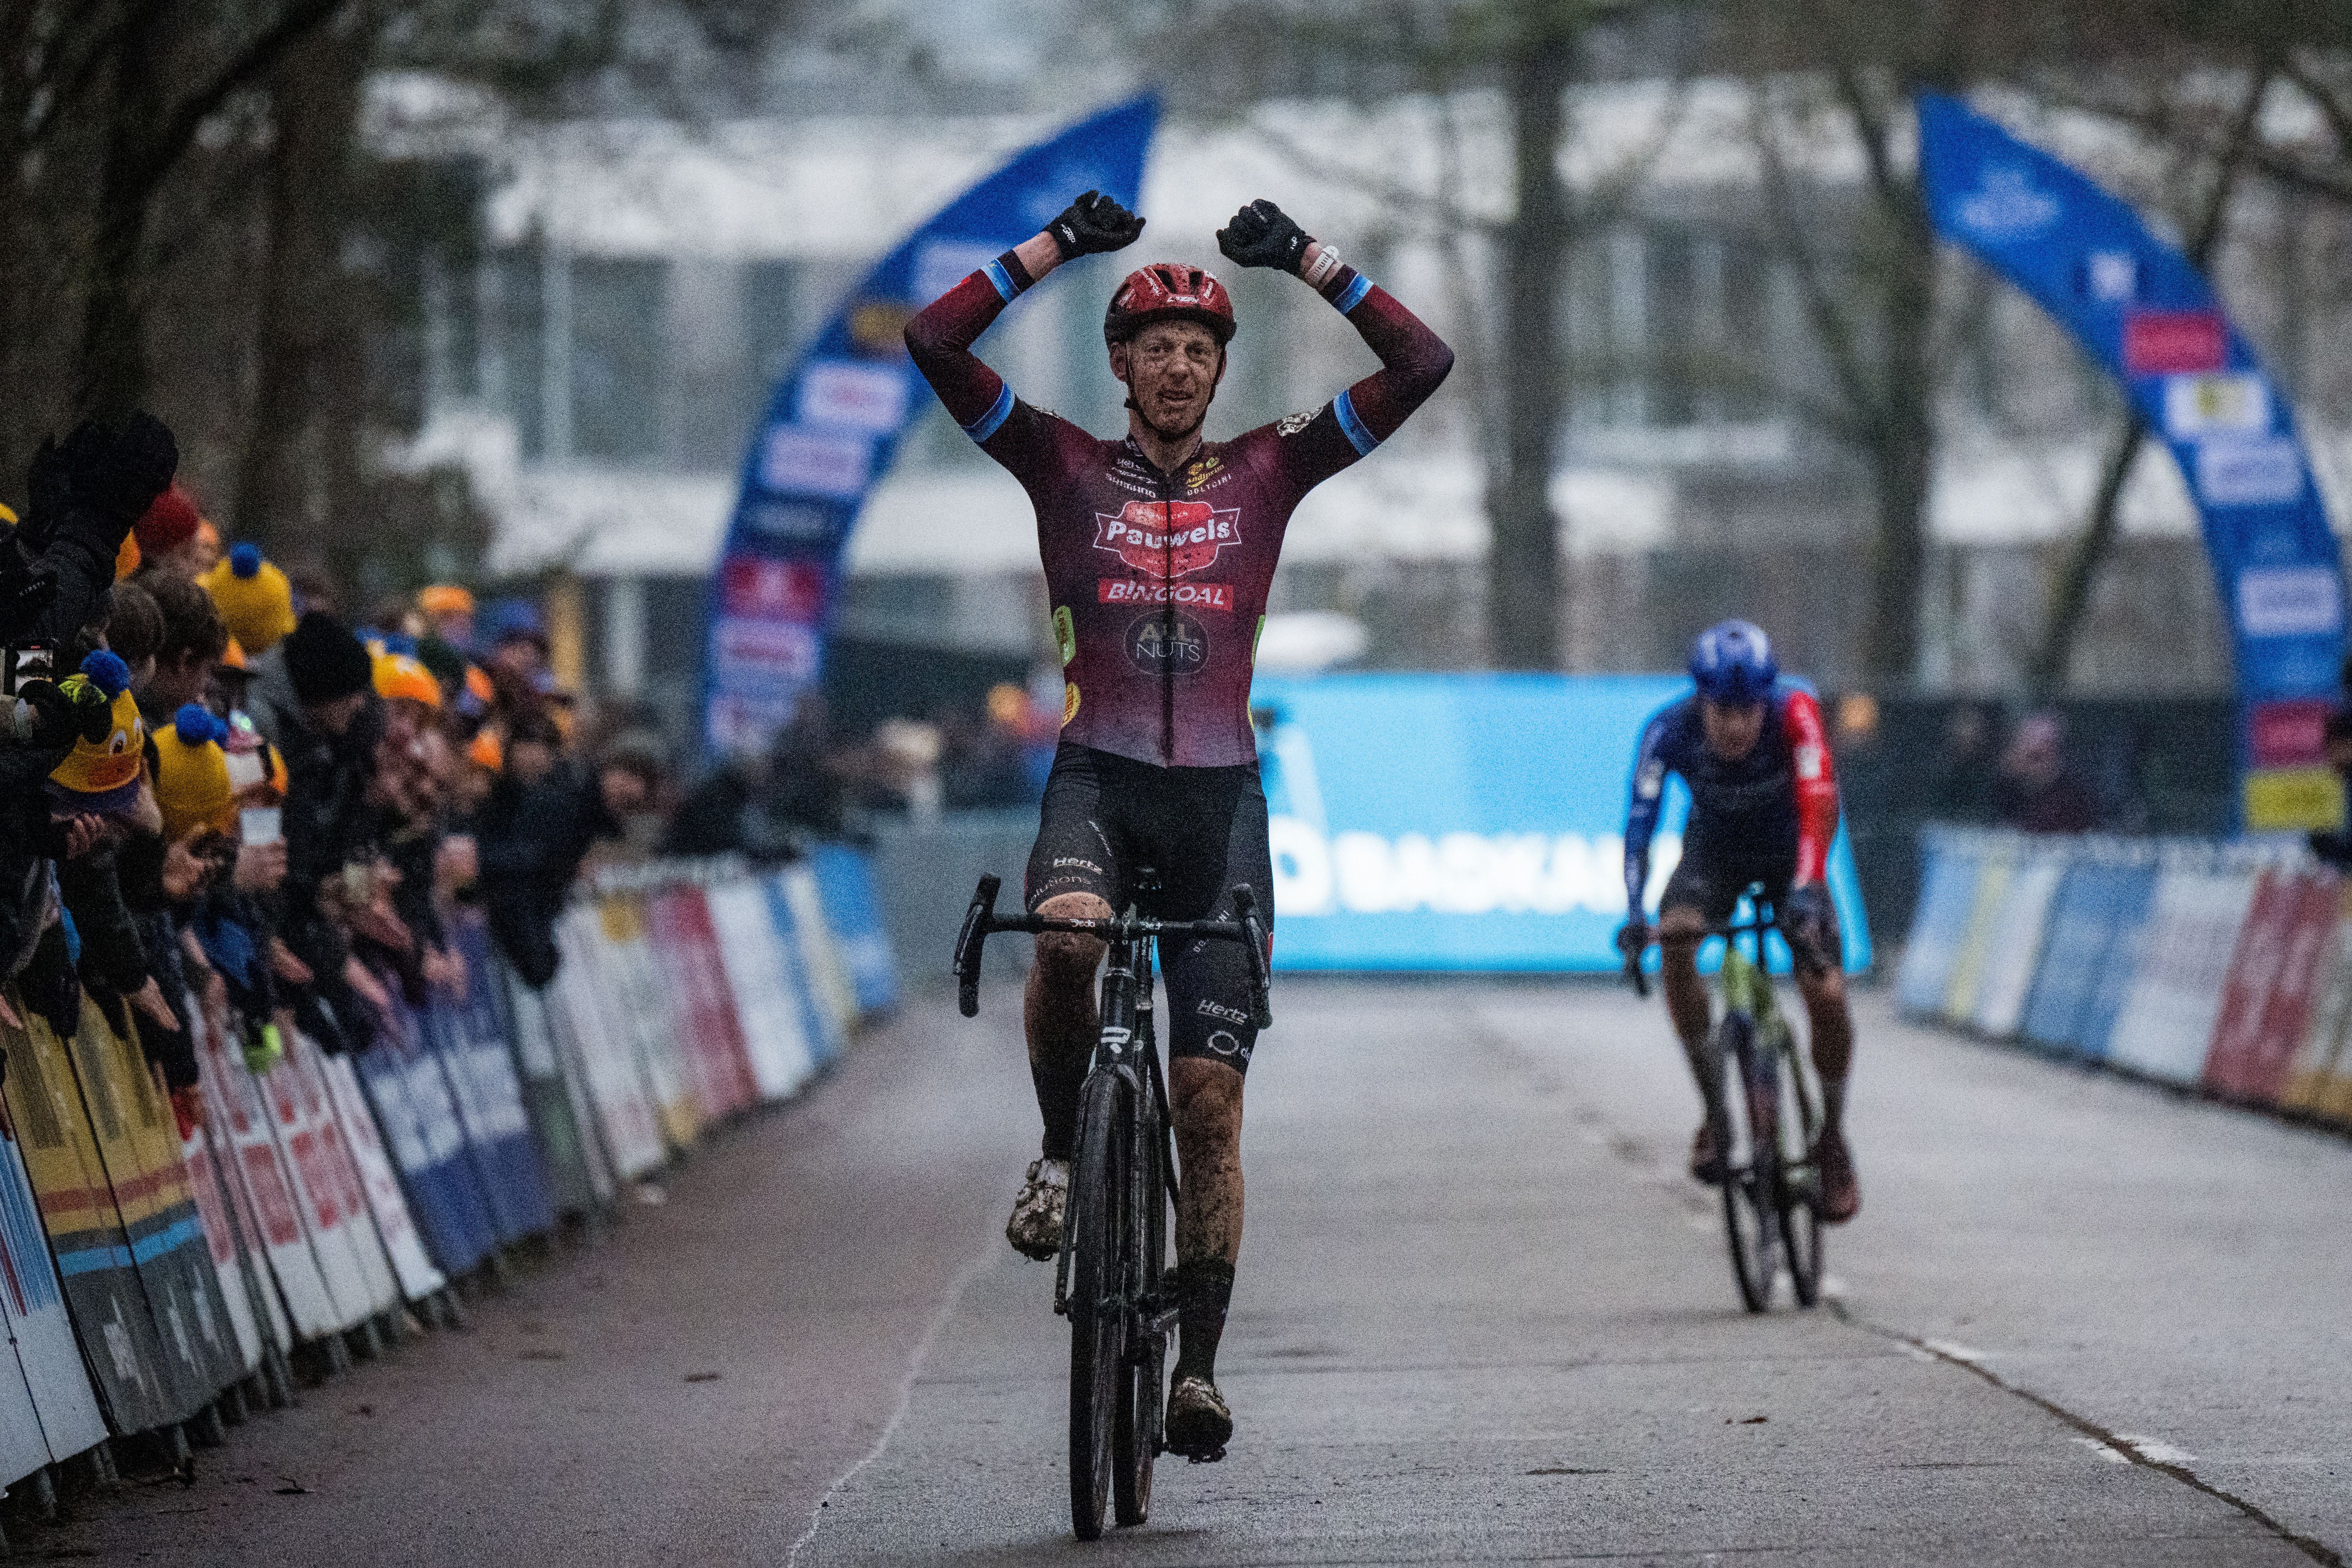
x,y
1167,644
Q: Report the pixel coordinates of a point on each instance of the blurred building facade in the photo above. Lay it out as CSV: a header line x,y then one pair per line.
x,y
600,360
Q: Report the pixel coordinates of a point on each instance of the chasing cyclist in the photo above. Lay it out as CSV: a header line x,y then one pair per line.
x,y
1158,549
1764,808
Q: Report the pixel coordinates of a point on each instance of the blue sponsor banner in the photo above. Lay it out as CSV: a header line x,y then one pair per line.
x,y
834,421
1467,822
2093,903
844,880
1940,925
2140,310
2134,901
818,1025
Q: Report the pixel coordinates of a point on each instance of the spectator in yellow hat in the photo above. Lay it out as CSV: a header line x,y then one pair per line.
x,y
192,781
254,597
448,612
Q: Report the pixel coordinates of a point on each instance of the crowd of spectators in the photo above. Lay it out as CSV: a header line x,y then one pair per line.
x,y
224,793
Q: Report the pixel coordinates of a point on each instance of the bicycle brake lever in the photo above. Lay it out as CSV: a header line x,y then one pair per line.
x,y
969,942
1261,982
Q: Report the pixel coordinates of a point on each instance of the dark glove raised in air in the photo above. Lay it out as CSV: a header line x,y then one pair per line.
x,y
1262,235
117,467
1093,223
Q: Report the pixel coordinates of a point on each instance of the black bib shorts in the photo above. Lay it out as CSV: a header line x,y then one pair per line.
x,y
1204,830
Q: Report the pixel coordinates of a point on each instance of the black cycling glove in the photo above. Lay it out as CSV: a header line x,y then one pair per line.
x,y
117,467
1093,223
1261,236
1810,921
1634,937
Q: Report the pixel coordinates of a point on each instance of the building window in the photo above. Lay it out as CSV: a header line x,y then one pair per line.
x,y
617,336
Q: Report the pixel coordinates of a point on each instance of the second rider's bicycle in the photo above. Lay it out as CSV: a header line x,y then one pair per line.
x,y
1111,1278
1771,1117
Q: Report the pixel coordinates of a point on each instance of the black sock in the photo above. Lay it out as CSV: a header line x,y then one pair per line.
x,y
1832,1104
1203,1289
1058,1084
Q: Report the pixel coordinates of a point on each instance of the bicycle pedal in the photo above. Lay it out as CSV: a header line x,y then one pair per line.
x,y
1204,1458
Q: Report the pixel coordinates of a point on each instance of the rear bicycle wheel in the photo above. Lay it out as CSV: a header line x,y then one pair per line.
x,y
1097,1299
1143,1384
1801,1225
1751,1164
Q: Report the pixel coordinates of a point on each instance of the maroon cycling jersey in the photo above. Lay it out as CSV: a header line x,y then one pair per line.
x,y
1158,580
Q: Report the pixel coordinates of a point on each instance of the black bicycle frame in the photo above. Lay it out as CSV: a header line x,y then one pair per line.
x,y
1126,1044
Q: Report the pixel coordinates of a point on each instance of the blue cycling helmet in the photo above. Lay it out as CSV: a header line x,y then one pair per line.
x,y
1733,663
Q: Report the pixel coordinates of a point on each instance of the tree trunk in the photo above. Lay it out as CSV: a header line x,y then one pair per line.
x,y
1903,461
1523,558
113,372
304,412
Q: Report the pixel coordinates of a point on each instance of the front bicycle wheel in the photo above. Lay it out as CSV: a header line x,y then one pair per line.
x,y
1142,1386
1097,1304
1752,1165
1801,1225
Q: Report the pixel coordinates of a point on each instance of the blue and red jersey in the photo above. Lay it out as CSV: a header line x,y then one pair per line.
x,y
1776,806
1158,580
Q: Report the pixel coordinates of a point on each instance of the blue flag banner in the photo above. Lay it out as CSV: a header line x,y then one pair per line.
x,y
2138,307
835,421
1470,822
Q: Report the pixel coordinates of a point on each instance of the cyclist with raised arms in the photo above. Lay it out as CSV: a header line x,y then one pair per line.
x,y
1764,808
1158,549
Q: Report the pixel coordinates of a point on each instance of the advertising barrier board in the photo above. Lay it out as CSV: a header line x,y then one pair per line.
x,y
469,1038
51,1363
2014,953
2266,1002
2167,1020
1466,822
139,1150
589,1030
1995,871
750,952
844,878
263,1188
2099,896
1947,896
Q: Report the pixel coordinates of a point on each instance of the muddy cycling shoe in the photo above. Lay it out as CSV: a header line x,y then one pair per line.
x,y
1706,1161
1199,1424
1840,1197
1035,1229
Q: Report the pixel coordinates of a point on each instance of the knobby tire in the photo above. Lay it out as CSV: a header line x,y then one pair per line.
x,y
1750,1186
1097,1313
1801,1225
1143,1381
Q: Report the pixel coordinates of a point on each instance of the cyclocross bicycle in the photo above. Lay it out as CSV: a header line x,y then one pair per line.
x,y
1771,1117
1113,1262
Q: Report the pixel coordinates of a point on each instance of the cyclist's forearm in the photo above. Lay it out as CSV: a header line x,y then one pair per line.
x,y
1414,360
940,336
1637,863
1039,255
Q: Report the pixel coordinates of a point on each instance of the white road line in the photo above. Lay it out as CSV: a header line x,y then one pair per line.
x,y
965,1277
1952,1349
2102,1450
2156,1450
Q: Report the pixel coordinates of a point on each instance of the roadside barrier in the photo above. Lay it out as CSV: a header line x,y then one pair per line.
x,y
2226,968
152,1282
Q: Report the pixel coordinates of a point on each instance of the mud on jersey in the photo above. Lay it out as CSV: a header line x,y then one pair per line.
x,y
1158,580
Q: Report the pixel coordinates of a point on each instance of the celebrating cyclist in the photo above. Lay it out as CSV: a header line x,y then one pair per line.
x,y
1764,808
1158,549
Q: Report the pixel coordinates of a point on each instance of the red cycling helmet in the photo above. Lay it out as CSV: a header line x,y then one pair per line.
x,y
1166,291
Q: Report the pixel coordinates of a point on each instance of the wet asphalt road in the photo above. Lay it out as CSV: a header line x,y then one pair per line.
x,y
1480,1317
